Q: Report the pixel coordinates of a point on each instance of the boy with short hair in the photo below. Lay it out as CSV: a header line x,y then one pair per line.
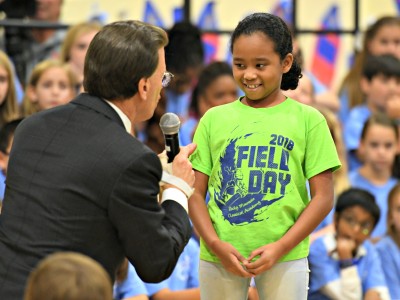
x,y
380,82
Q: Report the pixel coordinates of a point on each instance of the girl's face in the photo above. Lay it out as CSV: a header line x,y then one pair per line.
x,y
222,90
354,223
258,69
379,147
394,213
79,48
386,40
52,89
4,83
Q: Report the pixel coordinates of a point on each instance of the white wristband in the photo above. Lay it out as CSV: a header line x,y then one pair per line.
x,y
179,183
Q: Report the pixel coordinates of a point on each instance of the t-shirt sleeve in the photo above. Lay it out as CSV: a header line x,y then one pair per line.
x,y
321,153
201,158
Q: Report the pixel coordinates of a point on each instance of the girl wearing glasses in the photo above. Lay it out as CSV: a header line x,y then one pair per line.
x,y
346,265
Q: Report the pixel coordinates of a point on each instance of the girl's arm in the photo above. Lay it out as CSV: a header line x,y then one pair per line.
x,y
230,258
321,187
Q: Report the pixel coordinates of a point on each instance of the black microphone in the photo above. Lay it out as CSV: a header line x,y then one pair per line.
x,y
170,124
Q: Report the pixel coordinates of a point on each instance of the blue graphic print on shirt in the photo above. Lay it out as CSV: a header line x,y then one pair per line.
x,y
243,198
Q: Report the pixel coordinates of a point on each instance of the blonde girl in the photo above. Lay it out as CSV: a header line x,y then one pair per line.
x,y
75,45
51,83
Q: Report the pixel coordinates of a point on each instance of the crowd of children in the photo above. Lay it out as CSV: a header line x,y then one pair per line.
x,y
277,167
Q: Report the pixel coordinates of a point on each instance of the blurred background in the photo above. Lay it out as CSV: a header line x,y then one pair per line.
x,y
311,20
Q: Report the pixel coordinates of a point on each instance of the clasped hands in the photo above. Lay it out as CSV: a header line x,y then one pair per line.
x,y
264,258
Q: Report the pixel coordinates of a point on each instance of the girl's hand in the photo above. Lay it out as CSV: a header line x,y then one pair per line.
x,y
268,256
230,258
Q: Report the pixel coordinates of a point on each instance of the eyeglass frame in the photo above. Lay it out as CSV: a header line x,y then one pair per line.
x,y
366,227
166,79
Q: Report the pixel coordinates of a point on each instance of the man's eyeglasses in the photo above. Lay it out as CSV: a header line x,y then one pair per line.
x,y
166,79
365,227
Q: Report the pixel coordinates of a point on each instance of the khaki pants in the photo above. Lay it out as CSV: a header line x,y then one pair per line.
x,y
286,281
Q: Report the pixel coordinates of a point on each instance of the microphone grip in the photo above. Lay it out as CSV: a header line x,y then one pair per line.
x,y
171,146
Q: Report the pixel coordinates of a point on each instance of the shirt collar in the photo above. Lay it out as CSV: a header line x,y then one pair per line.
x,y
124,118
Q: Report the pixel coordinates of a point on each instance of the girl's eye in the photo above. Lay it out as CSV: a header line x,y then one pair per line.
x,y
47,84
239,66
374,144
389,145
260,65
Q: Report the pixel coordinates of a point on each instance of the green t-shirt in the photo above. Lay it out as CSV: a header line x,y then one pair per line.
x,y
258,161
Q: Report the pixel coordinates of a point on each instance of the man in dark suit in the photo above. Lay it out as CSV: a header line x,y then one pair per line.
x,y
79,181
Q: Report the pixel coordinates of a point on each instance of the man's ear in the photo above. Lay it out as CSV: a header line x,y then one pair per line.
x,y
143,88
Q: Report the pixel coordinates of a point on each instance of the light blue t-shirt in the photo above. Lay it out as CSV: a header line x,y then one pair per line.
x,y
131,286
185,274
389,253
2,185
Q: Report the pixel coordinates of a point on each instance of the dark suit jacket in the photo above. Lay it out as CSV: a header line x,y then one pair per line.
x,y
77,181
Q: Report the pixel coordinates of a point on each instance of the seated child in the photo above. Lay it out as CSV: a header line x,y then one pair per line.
x,y
346,265
68,276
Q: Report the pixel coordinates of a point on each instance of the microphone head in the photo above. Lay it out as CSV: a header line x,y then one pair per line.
x,y
170,123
